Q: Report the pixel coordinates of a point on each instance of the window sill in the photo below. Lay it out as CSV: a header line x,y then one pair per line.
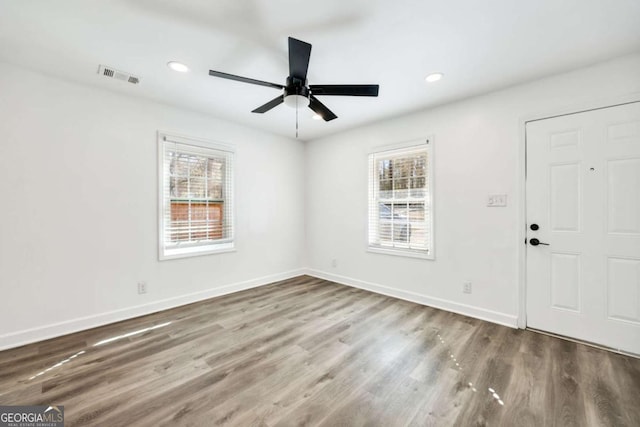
x,y
193,251
400,252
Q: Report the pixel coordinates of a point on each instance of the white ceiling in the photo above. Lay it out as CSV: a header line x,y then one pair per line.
x,y
479,45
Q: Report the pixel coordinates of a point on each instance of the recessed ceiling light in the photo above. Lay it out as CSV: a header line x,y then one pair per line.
x,y
317,117
434,77
178,66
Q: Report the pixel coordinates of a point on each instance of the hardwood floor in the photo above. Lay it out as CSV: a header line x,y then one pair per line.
x,y
311,352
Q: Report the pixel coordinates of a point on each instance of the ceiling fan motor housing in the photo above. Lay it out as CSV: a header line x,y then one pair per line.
x,y
296,93
296,86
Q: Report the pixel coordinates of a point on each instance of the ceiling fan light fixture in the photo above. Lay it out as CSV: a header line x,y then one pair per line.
x,y
294,101
177,66
434,77
316,117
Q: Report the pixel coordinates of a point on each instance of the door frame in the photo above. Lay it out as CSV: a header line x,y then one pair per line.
x,y
522,166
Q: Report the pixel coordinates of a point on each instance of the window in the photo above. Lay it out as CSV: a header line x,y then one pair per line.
x,y
400,200
196,197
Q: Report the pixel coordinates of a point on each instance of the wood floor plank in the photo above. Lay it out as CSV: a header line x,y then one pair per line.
x,y
306,351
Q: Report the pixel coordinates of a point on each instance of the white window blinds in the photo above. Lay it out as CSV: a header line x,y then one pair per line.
x,y
400,200
196,197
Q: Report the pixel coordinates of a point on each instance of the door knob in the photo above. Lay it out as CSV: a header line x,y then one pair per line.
x,y
536,242
534,227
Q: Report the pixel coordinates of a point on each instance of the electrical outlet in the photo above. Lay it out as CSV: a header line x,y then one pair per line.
x,y
466,287
334,263
142,288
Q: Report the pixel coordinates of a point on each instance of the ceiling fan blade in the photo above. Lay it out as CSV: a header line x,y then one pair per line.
x,y
345,90
320,109
244,79
269,105
299,54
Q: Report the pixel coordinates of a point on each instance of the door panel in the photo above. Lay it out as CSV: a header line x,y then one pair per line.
x,y
565,281
583,190
623,209
565,197
623,286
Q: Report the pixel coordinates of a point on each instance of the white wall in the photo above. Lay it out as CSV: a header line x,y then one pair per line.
x,y
78,218
478,150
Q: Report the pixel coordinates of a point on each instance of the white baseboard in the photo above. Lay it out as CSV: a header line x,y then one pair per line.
x,y
28,336
455,307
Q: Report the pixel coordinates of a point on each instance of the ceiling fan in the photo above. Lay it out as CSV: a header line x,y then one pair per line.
x,y
296,92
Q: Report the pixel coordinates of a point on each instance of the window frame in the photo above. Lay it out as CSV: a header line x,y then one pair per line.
x,y
373,184
194,249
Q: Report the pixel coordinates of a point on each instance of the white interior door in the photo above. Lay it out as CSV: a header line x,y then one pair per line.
x,y
583,193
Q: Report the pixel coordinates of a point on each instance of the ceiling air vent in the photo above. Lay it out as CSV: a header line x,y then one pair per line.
x,y
118,75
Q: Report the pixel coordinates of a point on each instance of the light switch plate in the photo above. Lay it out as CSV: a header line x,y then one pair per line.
x,y
497,200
